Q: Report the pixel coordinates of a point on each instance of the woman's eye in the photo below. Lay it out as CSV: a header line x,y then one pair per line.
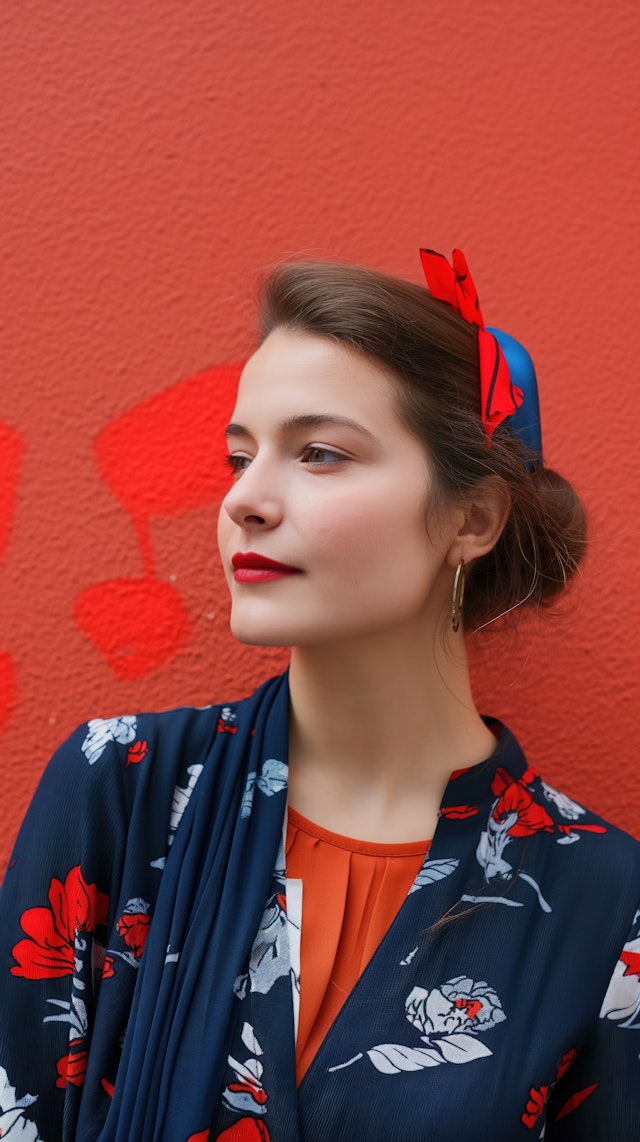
x,y
314,454
237,462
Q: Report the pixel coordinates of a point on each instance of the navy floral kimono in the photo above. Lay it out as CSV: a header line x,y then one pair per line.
x,y
149,970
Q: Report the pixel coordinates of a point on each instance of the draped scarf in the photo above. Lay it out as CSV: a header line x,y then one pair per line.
x,y
217,878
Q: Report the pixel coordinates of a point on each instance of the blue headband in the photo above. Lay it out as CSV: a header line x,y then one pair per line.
x,y
525,421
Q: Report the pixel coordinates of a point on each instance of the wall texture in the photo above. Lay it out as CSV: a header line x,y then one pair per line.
x,y
155,158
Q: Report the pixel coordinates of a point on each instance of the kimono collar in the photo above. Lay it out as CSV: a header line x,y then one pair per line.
x,y
219,873
475,786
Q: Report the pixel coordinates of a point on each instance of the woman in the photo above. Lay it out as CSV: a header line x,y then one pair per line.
x,y
427,901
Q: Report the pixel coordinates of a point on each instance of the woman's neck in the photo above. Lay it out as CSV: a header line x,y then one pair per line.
x,y
375,733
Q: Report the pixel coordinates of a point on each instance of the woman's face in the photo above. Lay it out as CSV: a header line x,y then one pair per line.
x,y
330,484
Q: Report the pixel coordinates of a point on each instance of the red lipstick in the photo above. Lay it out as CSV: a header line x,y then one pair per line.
x,y
248,567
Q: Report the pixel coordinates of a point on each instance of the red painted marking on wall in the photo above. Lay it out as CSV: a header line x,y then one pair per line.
x,y
166,455
11,452
162,457
137,624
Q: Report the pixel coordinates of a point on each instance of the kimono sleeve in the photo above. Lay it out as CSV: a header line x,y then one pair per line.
x,y
600,1095
54,905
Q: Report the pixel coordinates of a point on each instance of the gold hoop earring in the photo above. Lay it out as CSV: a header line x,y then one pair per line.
x,y
457,597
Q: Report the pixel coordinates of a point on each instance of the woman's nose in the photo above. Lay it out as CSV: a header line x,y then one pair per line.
x,y
253,500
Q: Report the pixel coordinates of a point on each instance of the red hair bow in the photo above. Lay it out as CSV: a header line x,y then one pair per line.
x,y
453,284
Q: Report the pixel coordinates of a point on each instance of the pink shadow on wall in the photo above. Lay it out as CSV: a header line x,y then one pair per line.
x,y
11,452
160,458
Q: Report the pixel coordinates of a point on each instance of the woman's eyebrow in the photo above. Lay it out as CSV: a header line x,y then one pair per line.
x,y
304,421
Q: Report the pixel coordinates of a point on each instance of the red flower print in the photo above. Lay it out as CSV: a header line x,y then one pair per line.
x,y
514,797
107,969
74,906
538,1095
225,721
567,830
535,1106
471,1007
71,1068
108,1087
133,925
459,812
632,962
575,1101
456,773
224,728
201,1136
136,752
565,1062
245,1130
257,1093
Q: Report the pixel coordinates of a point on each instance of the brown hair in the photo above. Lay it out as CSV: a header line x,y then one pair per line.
x,y
433,354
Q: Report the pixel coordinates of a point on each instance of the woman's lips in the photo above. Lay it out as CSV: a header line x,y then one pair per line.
x,y
251,568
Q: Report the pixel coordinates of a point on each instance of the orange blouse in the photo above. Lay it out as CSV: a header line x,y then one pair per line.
x,y
352,891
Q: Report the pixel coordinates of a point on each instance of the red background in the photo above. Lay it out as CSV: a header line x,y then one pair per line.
x,y
156,156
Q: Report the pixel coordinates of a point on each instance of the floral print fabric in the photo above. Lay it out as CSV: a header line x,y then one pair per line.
x,y
149,965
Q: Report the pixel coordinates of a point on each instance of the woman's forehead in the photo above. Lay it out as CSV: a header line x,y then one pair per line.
x,y
300,375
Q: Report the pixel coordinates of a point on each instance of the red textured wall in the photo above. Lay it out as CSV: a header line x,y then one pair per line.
x,y
154,157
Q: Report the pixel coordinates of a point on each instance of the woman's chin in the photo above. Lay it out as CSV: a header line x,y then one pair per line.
x,y
254,635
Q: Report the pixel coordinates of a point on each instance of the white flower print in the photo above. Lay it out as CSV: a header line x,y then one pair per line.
x,y
433,870
569,809
13,1124
269,958
73,1012
431,1011
450,1018
456,1005
491,846
247,796
622,1001
493,841
408,958
102,731
247,1093
180,800
392,1058
249,1039
272,779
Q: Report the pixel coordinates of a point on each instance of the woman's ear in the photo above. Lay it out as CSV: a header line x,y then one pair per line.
x,y
485,516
